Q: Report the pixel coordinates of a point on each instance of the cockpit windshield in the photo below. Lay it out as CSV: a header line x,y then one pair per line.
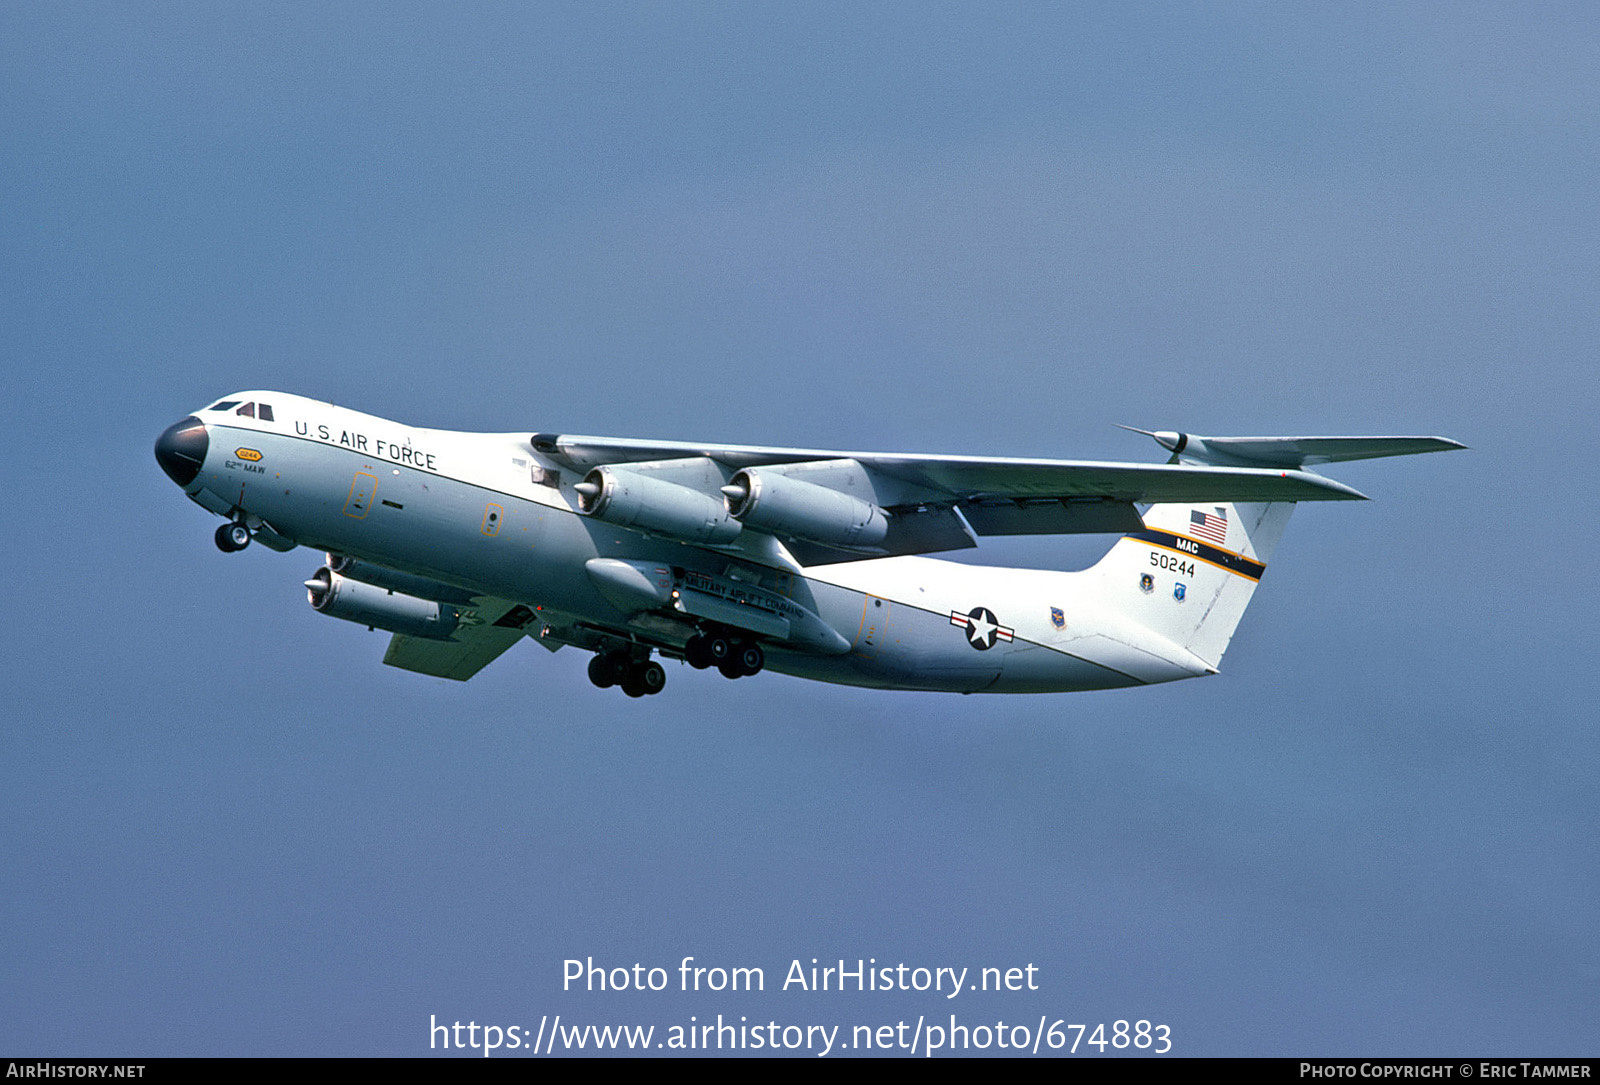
x,y
263,411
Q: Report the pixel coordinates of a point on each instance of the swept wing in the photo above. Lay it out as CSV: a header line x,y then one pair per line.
x,y
938,502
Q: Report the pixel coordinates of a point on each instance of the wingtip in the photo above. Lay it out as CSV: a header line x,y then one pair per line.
x,y
1346,493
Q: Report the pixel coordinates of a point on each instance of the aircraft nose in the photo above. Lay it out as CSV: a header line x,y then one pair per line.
x,y
181,449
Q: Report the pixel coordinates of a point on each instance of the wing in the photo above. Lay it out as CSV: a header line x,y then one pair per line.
x,y
932,503
475,644
956,476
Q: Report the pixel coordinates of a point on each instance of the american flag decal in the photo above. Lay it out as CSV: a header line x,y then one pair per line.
x,y
1213,528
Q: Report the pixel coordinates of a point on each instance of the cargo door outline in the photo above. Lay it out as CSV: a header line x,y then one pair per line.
x,y
874,626
363,488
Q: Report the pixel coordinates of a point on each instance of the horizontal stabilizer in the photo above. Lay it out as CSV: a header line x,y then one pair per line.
x,y
1290,451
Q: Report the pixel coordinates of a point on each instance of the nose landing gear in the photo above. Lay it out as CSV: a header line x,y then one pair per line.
x,y
232,537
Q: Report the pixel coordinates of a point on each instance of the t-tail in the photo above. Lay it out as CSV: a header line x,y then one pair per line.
x,y
1188,575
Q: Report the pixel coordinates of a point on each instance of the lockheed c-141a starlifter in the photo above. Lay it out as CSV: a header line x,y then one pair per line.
x,y
741,558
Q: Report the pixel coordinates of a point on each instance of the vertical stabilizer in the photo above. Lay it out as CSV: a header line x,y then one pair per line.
x,y
1190,573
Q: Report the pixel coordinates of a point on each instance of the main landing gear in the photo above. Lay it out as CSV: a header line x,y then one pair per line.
x,y
641,677
232,536
734,658
638,678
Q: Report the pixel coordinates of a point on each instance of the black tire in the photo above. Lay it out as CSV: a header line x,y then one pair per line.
x,y
603,671
730,668
232,537
644,679
751,658
697,653
651,678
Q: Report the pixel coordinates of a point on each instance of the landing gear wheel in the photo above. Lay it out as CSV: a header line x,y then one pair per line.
x,y
232,537
751,658
605,671
743,659
653,677
645,680
718,649
697,653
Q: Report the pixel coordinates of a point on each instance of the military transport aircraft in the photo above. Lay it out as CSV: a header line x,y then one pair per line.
x,y
739,558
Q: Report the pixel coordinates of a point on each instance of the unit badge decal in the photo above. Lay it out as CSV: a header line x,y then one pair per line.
x,y
1057,618
982,627
1179,591
1147,583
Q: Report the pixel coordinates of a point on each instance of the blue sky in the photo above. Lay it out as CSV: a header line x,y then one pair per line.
x,y
923,227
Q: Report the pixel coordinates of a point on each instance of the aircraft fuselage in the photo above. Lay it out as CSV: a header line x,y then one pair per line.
x,y
488,514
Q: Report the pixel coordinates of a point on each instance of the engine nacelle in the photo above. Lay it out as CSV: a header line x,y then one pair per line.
x,y
633,499
379,608
773,502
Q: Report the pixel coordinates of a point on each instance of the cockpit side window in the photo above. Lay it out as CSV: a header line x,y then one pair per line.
x,y
247,411
264,412
225,405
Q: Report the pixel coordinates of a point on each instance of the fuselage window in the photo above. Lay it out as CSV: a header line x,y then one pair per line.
x,y
247,411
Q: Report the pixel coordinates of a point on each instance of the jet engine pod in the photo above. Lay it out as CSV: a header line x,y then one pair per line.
x,y
773,502
633,499
379,608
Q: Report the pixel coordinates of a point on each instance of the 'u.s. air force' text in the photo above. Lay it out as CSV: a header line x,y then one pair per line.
x,y
857,975
375,446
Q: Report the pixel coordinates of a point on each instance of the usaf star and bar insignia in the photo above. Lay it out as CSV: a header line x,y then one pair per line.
x,y
982,627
